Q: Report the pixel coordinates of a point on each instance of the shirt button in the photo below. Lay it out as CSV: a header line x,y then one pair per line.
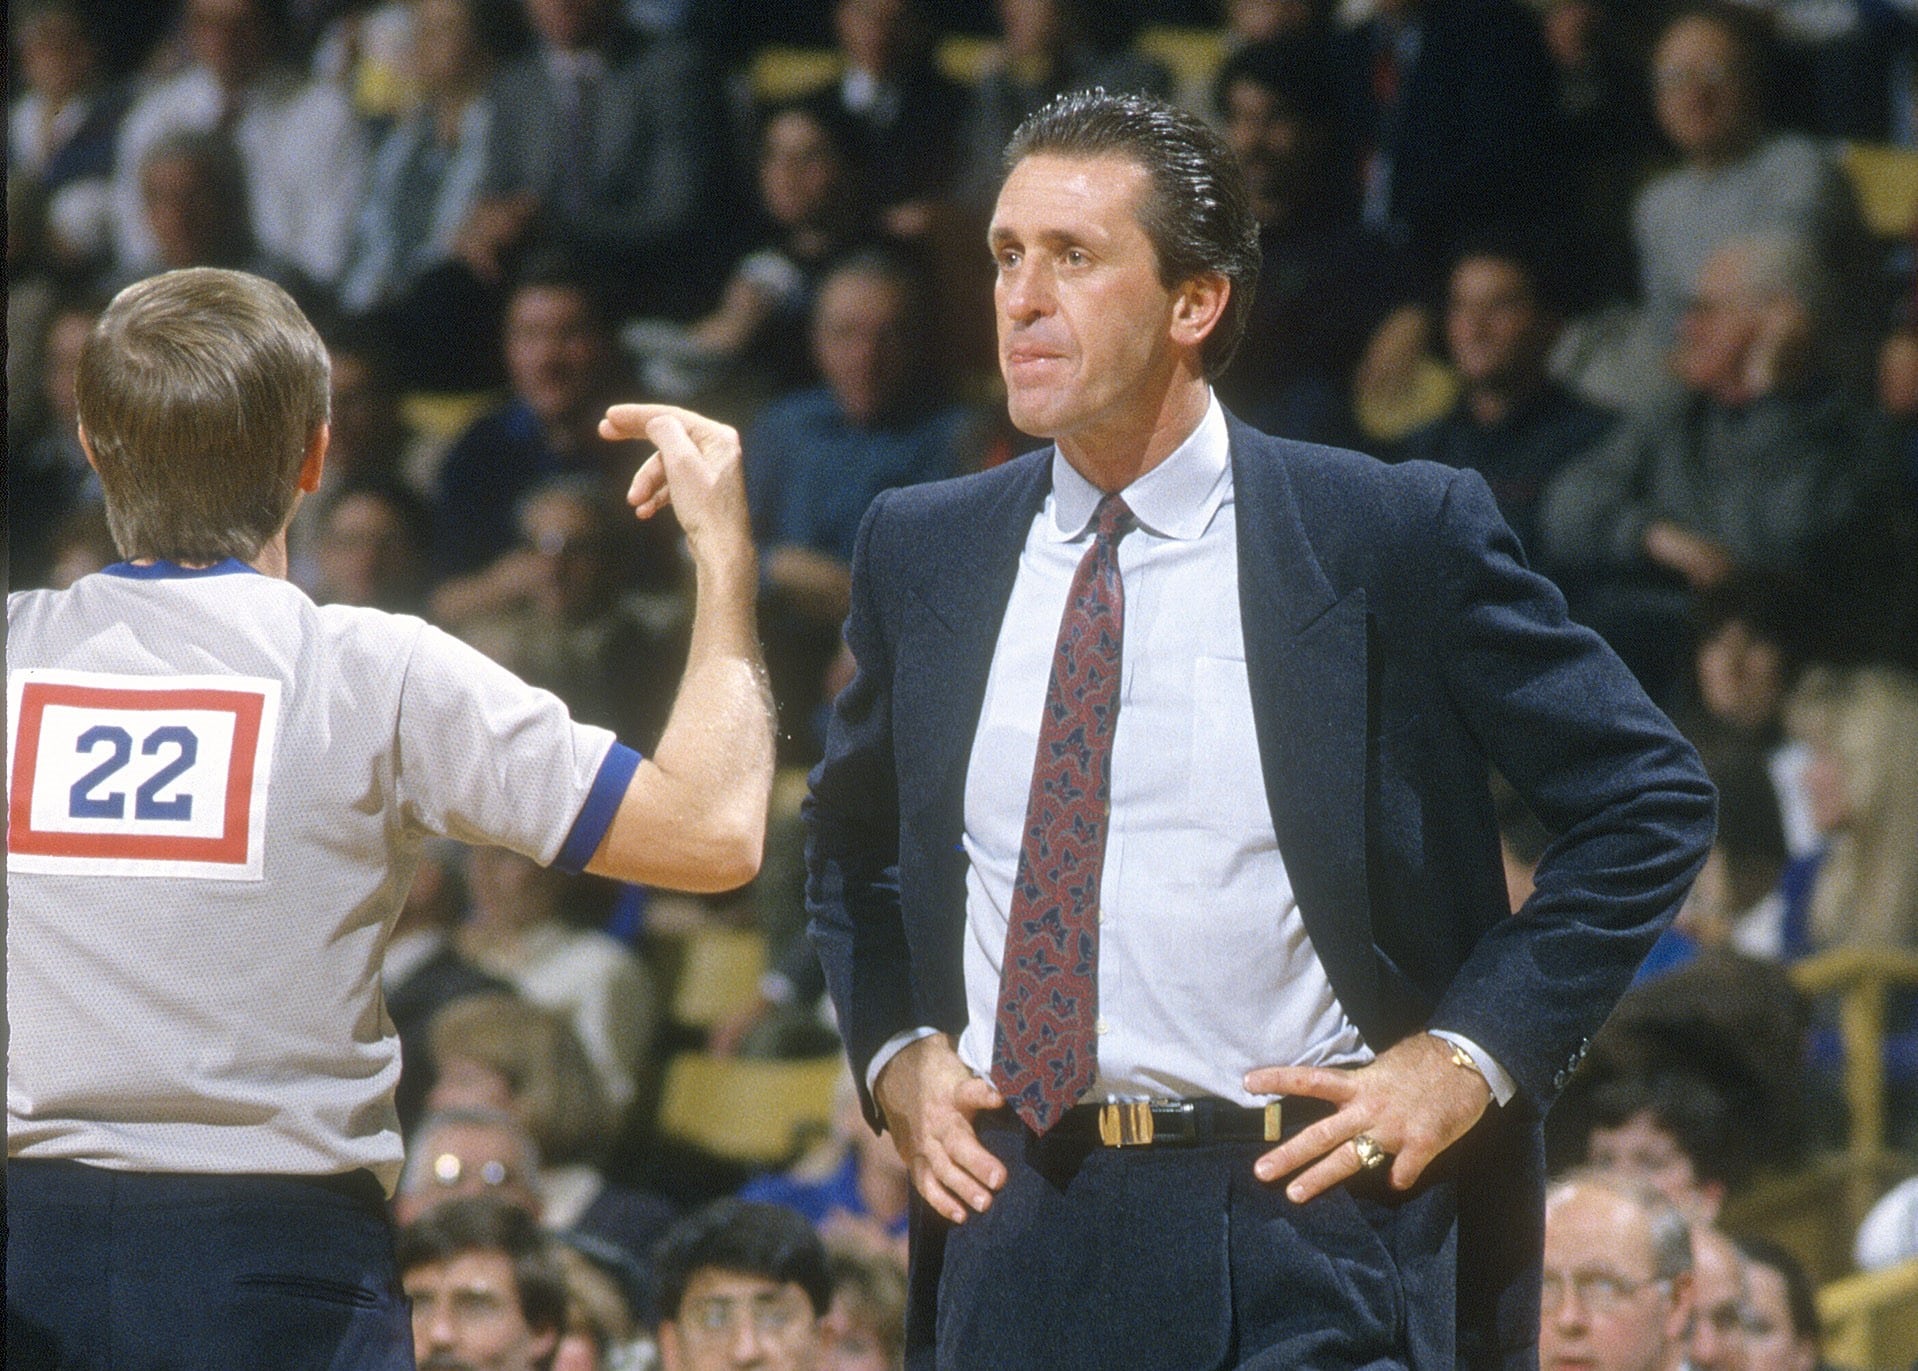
x,y
1102,1026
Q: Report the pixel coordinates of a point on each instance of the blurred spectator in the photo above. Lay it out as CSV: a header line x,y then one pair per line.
x,y
1862,725
741,1285
1738,178
853,1186
605,144
1617,1292
557,613
487,1288
1043,53
865,1326
1717,1341
369,435
1889,1234
908,116
62,128
1611,137
1737,899
1759,464
1452,112
1512,424
516,931
33,291
82,545
467,1153
369,547
1753,633
193,200
1674,1131
423,972
600,1331
816,458
426,173
302,149
1249,22
813,202
499,1052
48,478
1781,1310
1325,283
562,362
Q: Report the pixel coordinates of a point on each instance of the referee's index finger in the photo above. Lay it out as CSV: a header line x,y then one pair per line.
x,y
630,420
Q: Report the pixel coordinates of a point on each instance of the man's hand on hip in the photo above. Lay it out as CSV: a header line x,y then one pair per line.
x,y
929,1097
1414,1101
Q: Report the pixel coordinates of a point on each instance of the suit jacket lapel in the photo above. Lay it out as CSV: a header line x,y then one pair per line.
x,y
960,601
1307,663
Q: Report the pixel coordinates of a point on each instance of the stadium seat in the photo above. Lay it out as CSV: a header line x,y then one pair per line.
x,y
1871,1319
1886,181
747,1110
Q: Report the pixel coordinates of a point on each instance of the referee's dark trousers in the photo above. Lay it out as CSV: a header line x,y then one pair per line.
x,y
135,1271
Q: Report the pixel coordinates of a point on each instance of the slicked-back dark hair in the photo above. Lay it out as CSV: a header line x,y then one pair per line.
x,y
1197,213
766,1240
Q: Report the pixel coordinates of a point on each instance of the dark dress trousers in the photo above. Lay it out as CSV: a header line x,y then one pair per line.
x,y
1396,645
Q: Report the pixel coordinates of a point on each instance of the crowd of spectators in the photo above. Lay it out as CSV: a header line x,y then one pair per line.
x,y
1607,255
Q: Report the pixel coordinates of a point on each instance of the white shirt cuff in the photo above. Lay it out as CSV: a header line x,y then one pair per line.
x,y
1503,1086
890,1049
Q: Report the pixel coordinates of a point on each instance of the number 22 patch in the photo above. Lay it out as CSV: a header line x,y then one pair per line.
x,y
139,775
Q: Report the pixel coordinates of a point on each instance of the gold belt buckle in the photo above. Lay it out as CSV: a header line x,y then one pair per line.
x,y
1125,1123
1272,1121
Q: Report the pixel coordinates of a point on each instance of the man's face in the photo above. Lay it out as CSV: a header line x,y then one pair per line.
x,y
467,1317
1770,1343
1085,325
183,210
1603,1310
1493,325
872,33
1700,89
57,55
1718,1276
567,24
1718,328
571,550
1741,676
730,1321
228,38
465,1159
364,555
445,48
1640,1150
556,354
799,169
862,344
1272,143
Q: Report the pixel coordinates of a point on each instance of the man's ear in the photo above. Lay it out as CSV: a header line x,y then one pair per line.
x,y
1198,307
313,463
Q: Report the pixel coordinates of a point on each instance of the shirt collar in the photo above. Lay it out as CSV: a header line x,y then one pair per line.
x,y
173,571
1176,499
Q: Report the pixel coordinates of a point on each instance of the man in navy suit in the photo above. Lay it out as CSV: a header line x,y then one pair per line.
x,y
1185,730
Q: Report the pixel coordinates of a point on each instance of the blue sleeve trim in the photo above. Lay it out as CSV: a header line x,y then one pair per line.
x,y
596,814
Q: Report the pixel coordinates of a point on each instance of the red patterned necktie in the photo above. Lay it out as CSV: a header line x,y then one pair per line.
x,y
1044,1054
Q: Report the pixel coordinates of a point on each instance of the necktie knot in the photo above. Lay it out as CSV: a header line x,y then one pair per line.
x,y
1114,518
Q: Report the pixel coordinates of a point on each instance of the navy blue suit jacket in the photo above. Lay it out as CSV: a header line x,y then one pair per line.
x,y
1395,645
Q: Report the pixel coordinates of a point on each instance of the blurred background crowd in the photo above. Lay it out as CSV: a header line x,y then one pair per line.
x,y
1650,267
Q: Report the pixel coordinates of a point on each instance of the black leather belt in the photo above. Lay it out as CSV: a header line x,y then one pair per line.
x,y
1161,1123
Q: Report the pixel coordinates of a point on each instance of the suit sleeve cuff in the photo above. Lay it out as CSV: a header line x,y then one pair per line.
x,y
890,1049
1503,1086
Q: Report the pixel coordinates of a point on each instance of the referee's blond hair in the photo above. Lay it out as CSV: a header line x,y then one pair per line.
x,y
200,392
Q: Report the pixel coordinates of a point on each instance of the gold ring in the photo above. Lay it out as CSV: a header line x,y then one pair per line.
x,y
1371,1155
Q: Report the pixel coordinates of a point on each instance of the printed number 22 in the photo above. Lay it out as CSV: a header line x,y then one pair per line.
x,y
82,803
